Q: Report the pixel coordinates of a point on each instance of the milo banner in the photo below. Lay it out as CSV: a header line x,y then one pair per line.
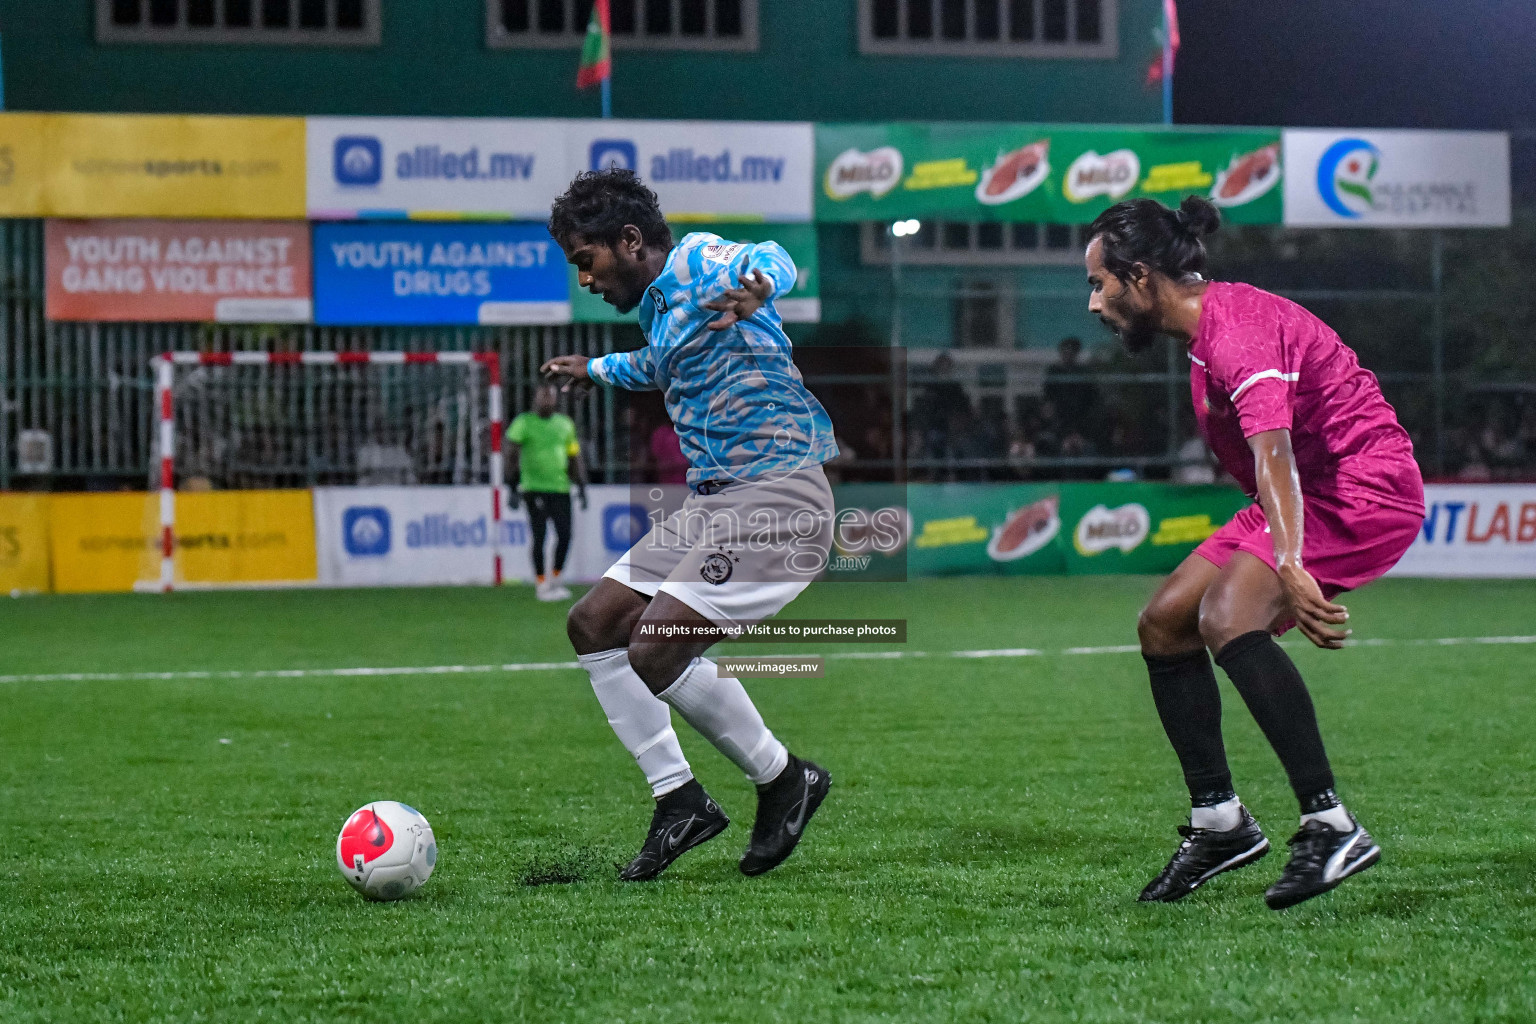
x,y
1024,529
801,305
1063,174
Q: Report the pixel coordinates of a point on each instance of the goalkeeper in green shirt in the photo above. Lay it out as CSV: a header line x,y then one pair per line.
x,y
542,445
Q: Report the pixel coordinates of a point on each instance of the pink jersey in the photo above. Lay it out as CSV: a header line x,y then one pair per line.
x,y
1260,362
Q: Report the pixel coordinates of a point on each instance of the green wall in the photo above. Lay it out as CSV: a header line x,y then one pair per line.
x,y
433,61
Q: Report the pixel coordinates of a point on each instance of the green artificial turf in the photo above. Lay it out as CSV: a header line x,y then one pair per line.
x,y
168,844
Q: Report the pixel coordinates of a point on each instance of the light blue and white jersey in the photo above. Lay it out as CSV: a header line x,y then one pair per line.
x,y
737,401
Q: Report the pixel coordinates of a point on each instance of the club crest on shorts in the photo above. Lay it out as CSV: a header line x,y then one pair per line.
x,y
717,567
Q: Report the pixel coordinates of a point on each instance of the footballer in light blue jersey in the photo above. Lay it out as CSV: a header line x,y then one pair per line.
x,y
755,439
737,401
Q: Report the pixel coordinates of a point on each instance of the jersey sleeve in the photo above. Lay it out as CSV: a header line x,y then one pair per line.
x,y
632,371
774,262
1247,361
517,432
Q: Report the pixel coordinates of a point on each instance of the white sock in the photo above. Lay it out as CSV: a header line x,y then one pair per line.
x,y
640,721
721,711
1223,817
1336,818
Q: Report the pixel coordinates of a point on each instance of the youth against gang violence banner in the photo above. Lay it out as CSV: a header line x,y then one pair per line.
x,y
208,270
400,272
1064,174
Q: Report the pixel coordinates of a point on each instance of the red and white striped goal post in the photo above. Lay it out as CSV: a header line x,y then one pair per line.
x,y
165,370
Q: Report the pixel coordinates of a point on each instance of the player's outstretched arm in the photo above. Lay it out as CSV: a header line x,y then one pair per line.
x,y
1279,488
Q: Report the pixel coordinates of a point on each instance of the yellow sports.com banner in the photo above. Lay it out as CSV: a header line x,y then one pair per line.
x,y
144,165
109,542
24,164
23,543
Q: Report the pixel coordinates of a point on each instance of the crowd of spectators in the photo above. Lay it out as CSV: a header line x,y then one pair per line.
x,y
1502,448
1067,432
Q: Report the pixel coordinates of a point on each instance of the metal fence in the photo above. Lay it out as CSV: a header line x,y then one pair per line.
x,y
76,398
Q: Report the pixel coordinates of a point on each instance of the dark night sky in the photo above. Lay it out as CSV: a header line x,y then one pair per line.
x,y
1358,63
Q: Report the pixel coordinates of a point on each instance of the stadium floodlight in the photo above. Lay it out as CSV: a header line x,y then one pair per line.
x,y
903,228
232,420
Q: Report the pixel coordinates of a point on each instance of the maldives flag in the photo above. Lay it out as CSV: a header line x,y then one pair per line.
x,y
1167,36
596,65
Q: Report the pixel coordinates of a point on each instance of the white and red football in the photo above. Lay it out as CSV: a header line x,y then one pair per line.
x,y
386,850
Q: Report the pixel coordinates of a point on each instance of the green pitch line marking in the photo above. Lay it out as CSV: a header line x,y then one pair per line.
x,y
559,666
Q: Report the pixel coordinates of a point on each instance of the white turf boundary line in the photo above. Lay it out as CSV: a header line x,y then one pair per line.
x,y
555,666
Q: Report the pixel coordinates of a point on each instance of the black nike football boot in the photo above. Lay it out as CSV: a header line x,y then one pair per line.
x,y
1321,858
784,807
684,818
1204,854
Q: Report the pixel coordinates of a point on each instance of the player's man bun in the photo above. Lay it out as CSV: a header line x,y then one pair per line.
x,y
1145,231
598,204
1198,216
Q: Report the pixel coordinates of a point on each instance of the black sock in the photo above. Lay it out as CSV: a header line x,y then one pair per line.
x,y
687,794
1189,703
1273,689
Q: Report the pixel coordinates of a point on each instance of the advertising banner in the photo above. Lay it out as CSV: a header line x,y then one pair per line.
x,y
1475,530
1140,527
23,164
108,542
1061,174
441,536
1047,528
705,170
210,270
1399,179
410,273
23,543
174,166
801,305
361,167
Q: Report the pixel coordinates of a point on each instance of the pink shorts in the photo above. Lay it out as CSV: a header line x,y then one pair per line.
x,y
1345,544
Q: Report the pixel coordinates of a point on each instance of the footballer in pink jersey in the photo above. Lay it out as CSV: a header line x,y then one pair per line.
x,y
1338,498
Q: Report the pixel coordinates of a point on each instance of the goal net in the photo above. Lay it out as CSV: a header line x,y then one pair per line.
x,y
266,424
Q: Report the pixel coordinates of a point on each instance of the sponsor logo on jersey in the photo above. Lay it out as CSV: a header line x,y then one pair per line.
x,y
723,254
1103,528
853,171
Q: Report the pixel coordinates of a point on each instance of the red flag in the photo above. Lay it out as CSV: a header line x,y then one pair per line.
x,y
1167,37
596,64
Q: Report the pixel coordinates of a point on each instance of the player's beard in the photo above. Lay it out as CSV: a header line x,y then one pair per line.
x,y
1139,332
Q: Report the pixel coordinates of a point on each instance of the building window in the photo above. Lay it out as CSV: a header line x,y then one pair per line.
x,y
958,243
983,312
636,24
299,22
989,28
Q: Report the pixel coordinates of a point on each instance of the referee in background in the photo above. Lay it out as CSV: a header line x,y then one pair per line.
x,y
542,445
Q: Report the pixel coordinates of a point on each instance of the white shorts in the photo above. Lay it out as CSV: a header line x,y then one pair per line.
x,y
739,555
